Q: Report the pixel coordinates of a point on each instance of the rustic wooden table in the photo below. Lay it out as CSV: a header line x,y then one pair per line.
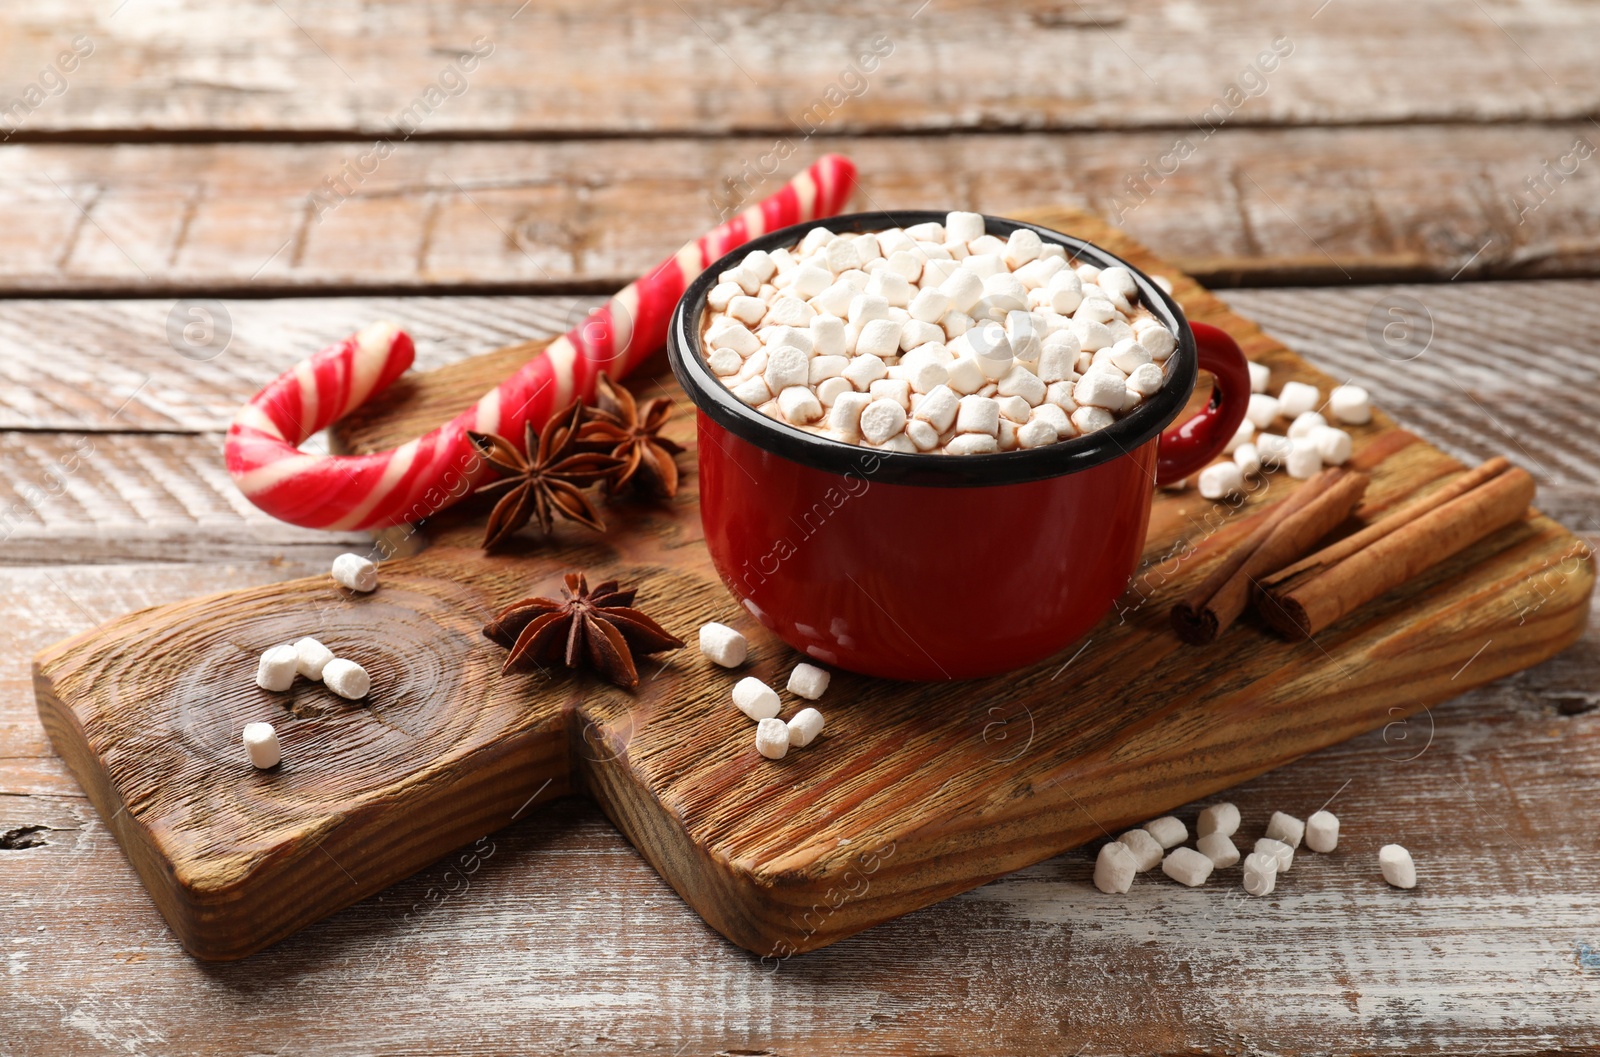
x,y
197,196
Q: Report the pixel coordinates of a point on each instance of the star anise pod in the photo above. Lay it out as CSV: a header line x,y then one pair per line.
x,y
616,425
547,477
599,627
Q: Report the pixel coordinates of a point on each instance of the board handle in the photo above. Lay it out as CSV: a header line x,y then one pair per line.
x,y
1190,445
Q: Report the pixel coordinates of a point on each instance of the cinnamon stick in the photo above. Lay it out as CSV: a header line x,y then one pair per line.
x,y
1285,533
1309,595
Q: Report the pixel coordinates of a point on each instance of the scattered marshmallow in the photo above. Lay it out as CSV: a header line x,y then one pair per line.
x,y
1286,828
1322,831
346,678
1303,461
1115,868
1169,831
355,572
772,737
1221,479
723,645
804,727
755,698
311,658
1260,377
1350,404
277,668
808,681
1147,851
1260,873
1296,398
1333,445
1278,850
261,744
1218,818
1187,867
1219,848
1397,866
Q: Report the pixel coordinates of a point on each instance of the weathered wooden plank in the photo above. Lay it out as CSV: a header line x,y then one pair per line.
x,y
529,953
115,497
721,68
1242,206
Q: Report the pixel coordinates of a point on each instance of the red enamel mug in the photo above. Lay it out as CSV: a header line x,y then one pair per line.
x,y
928,566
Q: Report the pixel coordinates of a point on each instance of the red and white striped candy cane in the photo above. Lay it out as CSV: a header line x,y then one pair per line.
x,y
426,475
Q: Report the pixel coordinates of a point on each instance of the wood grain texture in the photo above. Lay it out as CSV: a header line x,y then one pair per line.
x,y
1242,205
533,953
719,69
914,793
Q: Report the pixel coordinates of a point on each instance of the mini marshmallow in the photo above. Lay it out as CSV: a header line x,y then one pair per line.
x,y
1100,389
915,334
1260,377
752,391
963,227
1158,340
277,668
1218,818
1350,404
1088,272
938,408
717,300
815,239
1248,459
311,657
972,444
1397,866
1169,830
891,388
1286,828
808,681
1304,423
355,572
1260,874
926,232
1220,480
724,362
1278,850
261,745
1332,443
726,334
788,312
1262,410
346,678
830,389
723,645
882,419
804,727
978,414
963,288
1273,448
862,371
786,366
1090,419
772,738
879,337
1147,851
1036,433
1146,379
1187,867
756,700
1242,435
747,310
1296,398
1303,460
922,435
1114,868
1322,832
799,405
824,367
1219,848
1020,381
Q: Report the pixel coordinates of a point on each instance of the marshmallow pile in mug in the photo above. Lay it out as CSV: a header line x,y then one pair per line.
x,y
934,338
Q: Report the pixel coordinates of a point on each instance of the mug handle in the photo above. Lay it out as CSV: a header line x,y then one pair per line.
x,y
1187,447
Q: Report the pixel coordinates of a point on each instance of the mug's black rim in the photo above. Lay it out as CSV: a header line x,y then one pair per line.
x,y
1140,426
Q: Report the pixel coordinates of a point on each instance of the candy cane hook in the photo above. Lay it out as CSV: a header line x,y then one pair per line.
x,y
426,475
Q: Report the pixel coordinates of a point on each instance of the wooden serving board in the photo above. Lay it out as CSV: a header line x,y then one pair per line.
x,y
914,792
